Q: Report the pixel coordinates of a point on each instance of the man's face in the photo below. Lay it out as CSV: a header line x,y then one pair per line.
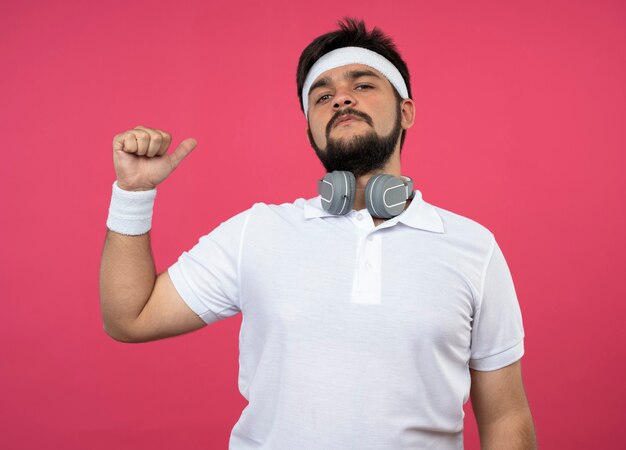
x,y
355,119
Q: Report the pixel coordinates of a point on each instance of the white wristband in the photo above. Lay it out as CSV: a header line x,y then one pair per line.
x,y
130,212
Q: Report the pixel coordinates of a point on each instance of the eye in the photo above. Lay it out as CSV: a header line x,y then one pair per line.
x,y
323,98
364,87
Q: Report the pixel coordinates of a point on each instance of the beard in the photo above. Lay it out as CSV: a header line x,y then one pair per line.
x,y
359,154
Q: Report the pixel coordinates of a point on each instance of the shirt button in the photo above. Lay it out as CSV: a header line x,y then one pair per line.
x,y
370,238
368,266
359,216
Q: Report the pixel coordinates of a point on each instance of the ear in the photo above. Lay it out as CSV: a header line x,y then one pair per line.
x,y
407,109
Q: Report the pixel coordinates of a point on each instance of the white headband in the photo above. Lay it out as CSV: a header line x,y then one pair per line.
x,y
353,55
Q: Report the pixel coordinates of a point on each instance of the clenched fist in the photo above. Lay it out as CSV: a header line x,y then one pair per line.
x,y
140,160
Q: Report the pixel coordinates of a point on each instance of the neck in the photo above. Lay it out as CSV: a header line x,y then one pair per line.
x,y
391,168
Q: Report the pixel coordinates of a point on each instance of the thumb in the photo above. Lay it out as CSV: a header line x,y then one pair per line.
x,y
181,152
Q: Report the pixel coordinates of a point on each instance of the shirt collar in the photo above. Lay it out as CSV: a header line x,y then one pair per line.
x,y
419,214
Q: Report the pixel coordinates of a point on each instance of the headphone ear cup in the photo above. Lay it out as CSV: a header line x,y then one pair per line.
x,y
385,196
338,190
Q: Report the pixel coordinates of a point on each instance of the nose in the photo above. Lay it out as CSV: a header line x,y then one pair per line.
x,y
343,99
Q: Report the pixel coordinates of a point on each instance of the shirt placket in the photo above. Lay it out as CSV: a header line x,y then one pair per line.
x,y
366,287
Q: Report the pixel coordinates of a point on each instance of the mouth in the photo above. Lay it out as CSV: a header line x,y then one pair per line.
x,y
346,119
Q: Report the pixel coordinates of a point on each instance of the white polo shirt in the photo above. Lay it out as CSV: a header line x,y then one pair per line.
x,y
355,336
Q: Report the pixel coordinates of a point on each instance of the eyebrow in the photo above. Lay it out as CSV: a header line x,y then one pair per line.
x,y
351,75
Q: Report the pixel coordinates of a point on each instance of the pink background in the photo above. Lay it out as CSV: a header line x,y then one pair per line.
x,y
520,126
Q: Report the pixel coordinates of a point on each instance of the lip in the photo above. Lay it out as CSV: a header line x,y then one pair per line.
x,y
348,118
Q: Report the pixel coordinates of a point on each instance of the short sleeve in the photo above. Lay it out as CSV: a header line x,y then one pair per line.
x,y
497,329
207,276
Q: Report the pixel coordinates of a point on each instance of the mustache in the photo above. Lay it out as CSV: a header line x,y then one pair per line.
x,y
346,111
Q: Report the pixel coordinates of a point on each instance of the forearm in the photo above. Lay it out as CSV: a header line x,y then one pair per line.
x,y
514,431
127,277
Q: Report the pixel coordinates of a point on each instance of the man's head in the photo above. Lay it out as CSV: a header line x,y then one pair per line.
x,y
357,98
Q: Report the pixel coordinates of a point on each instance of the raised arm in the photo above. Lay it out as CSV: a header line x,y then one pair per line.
x,y
136,304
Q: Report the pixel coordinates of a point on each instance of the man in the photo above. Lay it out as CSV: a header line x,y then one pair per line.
x,y
366,311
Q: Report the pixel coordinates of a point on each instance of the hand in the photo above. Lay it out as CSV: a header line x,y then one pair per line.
x,y
140,160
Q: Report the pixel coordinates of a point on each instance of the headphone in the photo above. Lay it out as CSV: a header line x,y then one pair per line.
x,y
385,195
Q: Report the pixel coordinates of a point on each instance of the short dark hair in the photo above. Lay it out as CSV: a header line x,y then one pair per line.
x,y
352,33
